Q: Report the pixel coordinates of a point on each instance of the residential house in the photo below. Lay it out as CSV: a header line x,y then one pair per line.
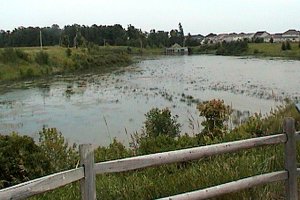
x,y
176,49
262,36
291,35
210,39
197,38
277,37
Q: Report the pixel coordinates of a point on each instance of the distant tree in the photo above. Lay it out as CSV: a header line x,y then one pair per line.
x,y
271,40
181,34
288,45
190,42
283,47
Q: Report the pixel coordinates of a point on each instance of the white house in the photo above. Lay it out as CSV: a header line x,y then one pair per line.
x,y
291,35
263,35
176,49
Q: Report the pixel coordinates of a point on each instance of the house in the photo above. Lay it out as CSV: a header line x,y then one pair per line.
x,y
176,49
197,38
291,35
210,39
262,36
277,37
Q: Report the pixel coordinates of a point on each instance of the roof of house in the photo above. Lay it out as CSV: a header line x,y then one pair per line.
x,y
260,33
291,32
174,46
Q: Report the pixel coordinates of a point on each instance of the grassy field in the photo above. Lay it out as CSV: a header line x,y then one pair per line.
x,y
273,50
31,62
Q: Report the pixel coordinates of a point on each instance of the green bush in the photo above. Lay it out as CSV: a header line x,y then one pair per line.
x,y
68,52
8,55
160,122
21,160
42,58
57,150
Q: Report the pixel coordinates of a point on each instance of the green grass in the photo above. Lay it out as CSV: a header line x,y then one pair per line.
x,y
102,58
273,50
16,68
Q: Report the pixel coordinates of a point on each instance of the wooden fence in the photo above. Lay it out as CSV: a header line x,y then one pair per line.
x,y
88,170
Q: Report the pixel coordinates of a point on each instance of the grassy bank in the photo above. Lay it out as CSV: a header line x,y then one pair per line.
x,y
177,178
31,62
253,49
273,50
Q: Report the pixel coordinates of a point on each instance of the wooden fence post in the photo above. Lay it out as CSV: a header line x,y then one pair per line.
x,y
87,184
290,159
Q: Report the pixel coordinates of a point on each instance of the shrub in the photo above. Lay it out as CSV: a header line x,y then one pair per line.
x,y
283,47
8,55
22,55
160,122
21,160
57,150
288,45
215,113
42,58
68,52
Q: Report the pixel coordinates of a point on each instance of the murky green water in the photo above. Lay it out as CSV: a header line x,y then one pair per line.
x,y
95,108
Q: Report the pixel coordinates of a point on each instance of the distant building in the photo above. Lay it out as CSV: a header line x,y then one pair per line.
x,y
176,49
197,38
277,37
291,35
262,35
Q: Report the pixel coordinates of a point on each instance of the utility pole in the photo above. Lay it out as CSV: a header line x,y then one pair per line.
x,y
41,40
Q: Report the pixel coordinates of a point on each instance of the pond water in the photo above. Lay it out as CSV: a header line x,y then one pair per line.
x,y
94,108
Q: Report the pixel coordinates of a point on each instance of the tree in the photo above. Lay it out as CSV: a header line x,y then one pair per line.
x,y
271,40
161,122
181,34
288,45
283,47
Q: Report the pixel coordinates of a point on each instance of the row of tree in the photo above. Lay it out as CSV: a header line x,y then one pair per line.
x,y
73,35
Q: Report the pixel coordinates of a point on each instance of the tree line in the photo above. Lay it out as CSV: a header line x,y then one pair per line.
x,y
73,35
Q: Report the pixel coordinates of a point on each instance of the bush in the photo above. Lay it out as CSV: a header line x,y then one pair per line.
x,y
283,47
42,58
21,160
68,52
288,45
57,150
8,55
215,113
160,122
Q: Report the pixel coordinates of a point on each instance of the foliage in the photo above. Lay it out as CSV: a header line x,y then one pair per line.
x,y
232,48
283,47
161,122
288,45
57,150
21,160
11,55
42,58
68,52
215,113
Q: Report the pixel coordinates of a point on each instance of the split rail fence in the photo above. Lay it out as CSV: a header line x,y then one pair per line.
x,y
88,170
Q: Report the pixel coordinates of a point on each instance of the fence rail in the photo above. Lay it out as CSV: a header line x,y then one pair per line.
x,y
86,174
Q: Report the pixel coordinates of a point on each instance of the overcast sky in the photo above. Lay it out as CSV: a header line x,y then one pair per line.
x,y
196,16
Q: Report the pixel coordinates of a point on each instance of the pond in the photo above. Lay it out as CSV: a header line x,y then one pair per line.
x,y
94,108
